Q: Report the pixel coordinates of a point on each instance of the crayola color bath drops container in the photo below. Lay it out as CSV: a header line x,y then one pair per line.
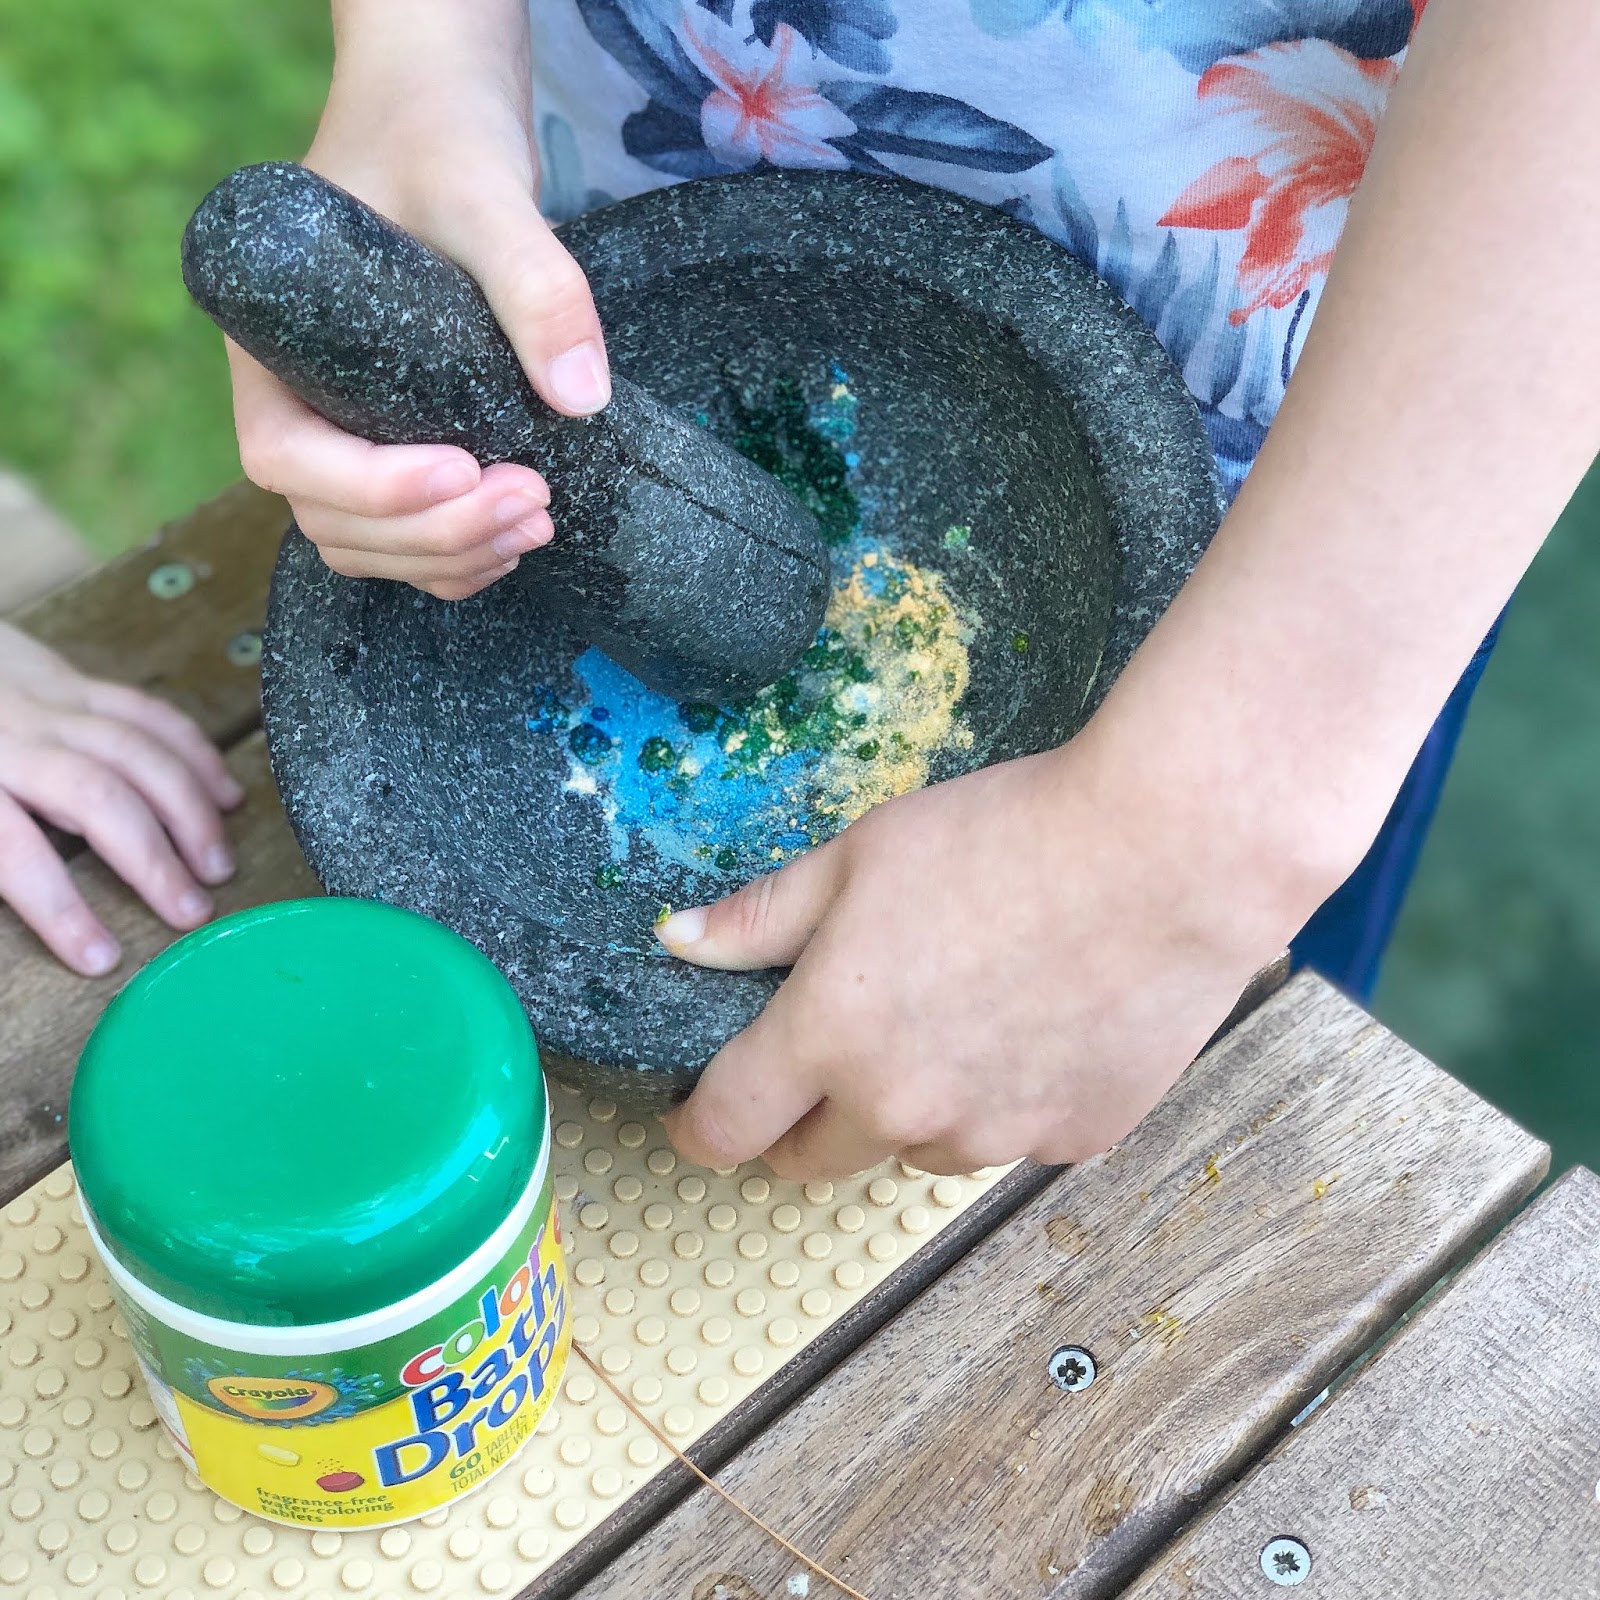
x,y
313,1148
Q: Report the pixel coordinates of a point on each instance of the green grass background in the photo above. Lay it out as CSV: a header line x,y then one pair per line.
x,y
114,120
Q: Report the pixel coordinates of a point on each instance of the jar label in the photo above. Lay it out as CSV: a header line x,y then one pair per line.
x,y
360,1438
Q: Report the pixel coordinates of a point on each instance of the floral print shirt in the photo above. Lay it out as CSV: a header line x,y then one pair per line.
x,y
1200,154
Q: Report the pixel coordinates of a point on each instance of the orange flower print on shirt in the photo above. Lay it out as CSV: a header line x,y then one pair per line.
x,y
765,103
1316,109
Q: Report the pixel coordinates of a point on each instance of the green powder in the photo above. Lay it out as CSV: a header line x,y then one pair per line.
x,y
782,440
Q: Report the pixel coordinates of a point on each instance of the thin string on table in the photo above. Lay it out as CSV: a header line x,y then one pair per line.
x,y
712,1484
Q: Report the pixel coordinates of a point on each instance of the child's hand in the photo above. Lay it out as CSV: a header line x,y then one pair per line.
x,y
1016,963
427,121
137,779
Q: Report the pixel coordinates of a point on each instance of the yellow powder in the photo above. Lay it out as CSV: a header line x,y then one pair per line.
x,y
910,701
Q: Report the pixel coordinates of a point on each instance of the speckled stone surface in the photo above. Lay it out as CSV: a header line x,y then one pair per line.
x,y
1017,437
680,559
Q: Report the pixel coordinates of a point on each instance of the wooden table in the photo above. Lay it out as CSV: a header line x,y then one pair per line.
x,y
1264,1237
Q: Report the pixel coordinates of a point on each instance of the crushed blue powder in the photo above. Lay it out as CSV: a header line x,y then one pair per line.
x,y
718,789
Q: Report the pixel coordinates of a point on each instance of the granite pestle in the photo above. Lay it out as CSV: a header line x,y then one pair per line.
x,y
679,559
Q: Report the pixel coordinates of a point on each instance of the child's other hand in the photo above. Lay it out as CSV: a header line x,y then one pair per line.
x,y
428,122
1019,962
136,778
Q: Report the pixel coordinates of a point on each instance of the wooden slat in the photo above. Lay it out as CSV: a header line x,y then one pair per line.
x,y
46,1011
794,1378
1267,981
1463,1461
1307,1180
113,625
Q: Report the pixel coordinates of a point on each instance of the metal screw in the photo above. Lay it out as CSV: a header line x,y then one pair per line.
x,y
1285,1562
1071,1368
170,580
244,649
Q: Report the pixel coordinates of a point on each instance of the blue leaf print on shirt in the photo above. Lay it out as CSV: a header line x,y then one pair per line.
x,y
1260,382
670,142
1005,19
1235,443
851,32
1193,311
908,122
637,34
563,194
1155,290
1117,263
1199,33
1076,227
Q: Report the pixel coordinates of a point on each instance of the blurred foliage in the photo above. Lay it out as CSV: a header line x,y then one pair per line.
x,y
1495,968
114,121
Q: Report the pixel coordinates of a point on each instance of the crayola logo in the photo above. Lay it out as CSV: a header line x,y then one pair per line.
x,y
273,1399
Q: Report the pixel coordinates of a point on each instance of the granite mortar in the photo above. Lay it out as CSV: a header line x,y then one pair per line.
x,y
1019,449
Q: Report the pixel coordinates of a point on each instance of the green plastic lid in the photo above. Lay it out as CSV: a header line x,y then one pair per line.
x,y
306,1112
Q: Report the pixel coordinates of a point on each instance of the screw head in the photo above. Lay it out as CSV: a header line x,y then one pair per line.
x,y
1071,1368
1285,1562
244,649
170,580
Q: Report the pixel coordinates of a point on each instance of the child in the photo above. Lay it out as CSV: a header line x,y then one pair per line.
x,y
1020,962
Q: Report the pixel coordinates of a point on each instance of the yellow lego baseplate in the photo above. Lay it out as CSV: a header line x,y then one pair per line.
x,y
690,1289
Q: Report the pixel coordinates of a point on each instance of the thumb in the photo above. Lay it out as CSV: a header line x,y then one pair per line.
x,y
765,924
540,296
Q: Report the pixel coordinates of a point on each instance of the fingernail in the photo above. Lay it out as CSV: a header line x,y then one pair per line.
x,y
682,928
194,906
520,540
100,956
217,864
232,792
579,378
513,509
451,478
